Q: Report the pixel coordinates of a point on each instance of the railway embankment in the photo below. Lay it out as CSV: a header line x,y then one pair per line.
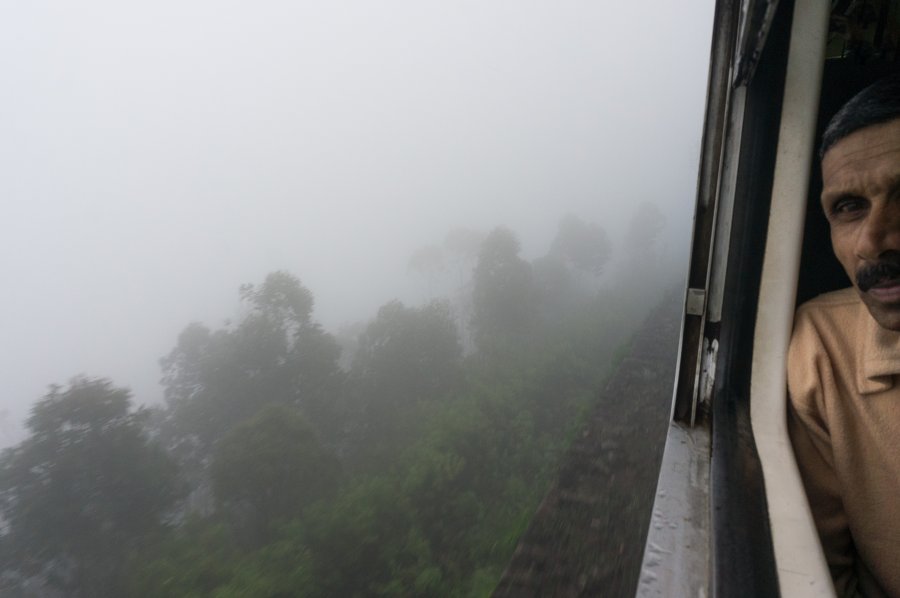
x,y
587,537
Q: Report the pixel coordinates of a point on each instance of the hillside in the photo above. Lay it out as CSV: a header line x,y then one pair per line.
x,y
587,537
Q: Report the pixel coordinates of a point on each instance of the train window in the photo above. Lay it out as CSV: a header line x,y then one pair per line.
x,y
860,47
765,249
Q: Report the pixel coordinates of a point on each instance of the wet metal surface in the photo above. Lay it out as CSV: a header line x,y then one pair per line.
x,y
676,557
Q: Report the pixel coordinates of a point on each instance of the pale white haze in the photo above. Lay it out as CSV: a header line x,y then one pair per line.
x,y
156,155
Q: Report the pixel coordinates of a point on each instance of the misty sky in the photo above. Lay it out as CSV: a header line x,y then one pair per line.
x,y
156,155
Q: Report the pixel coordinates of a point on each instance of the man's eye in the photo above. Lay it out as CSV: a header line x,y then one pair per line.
x,y
847,206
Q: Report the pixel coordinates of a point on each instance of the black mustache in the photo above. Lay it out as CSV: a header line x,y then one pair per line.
x,y
885,269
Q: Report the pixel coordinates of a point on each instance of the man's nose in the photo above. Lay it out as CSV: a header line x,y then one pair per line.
x,y
880,232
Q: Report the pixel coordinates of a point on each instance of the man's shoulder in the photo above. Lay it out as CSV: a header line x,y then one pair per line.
x,y
826,325
825,330
834,300
836,307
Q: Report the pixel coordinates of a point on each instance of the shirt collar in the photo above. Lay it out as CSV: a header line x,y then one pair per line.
x,y
880,353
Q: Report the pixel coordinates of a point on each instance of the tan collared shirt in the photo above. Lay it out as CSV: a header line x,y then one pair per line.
x,y
845,426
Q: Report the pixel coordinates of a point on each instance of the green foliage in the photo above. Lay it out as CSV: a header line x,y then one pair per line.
x,y
190,562
406,357
282,568
275,355
87,479
412,474
364,543
269,469
409,353
280,299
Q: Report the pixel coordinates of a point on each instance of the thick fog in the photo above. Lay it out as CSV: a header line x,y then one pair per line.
x,y
154,156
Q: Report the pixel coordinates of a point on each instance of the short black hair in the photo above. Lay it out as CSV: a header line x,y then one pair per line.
x,y
878,103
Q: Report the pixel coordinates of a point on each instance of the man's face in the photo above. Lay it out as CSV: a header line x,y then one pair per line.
x,y
861,199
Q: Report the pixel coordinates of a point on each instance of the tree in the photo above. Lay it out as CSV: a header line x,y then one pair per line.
x,y
269,468
641,266
366,543
407,357
410,353
428,263
558,290
275,354
503,294
462,245
282,300
81,491
641,243
581,245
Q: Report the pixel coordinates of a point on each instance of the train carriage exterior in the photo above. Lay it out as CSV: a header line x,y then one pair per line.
x,y
730,516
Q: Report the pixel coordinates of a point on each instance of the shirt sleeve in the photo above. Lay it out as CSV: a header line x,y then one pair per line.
x,y
808,373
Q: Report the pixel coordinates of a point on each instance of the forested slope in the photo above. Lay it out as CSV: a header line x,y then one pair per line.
x,y
403,459
587,538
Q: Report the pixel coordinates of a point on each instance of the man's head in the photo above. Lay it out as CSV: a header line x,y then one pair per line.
x,y
861,195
